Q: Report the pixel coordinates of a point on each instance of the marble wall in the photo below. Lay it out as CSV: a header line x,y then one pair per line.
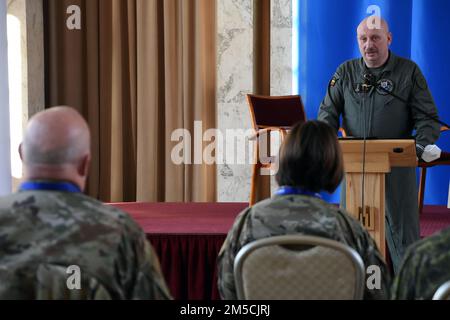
x,y
234,81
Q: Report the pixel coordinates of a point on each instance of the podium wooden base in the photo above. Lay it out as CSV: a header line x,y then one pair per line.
x,y
373,215
380,156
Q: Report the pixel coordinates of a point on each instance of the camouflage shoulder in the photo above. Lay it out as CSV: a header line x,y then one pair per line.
x,y
238,223
345,214
437,243
236,229
120,217
352,222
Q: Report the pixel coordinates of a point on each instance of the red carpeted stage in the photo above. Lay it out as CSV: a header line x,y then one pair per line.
x,y
188,237
433,219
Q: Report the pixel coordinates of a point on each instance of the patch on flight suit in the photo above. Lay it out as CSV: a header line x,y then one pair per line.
x,y
334,80
385,84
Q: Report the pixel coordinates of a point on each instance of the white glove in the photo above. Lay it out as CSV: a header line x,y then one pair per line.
x,y
431,152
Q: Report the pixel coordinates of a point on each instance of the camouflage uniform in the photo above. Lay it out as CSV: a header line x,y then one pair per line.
x,y
424,268
297,214
63,229
387,118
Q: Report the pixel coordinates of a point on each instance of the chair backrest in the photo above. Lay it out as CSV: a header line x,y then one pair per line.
x,y
52,284
298,267
276,111
443,292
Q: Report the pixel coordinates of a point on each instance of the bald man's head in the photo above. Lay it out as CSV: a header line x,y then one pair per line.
x,y
374,40
374,22
56,140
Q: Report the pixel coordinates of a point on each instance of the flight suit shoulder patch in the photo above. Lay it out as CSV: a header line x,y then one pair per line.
x,y
334,79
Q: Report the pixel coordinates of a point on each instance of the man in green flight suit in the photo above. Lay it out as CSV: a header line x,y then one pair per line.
x,y
358,92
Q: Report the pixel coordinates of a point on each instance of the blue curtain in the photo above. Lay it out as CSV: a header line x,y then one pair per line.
x,y
327,37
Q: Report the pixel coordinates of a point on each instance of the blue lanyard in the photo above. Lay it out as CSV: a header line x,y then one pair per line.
x,y
54,186
288,190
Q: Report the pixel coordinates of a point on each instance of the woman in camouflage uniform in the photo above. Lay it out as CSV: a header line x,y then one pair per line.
x,y
310,162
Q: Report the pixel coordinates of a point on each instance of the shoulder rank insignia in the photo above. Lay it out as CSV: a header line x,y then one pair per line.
x,y
333,82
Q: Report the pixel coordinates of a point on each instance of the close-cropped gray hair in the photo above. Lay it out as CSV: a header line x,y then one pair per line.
x,y
56,136
34,154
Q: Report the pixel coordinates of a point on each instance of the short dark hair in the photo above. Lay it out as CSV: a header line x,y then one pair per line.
x,y
311,158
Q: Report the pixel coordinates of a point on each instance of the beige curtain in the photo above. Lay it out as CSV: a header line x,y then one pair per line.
x,y
137,70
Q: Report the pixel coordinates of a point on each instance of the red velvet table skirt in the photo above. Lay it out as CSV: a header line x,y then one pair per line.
x,y
187,238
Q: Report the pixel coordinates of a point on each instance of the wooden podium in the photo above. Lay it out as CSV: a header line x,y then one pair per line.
x,y
381,155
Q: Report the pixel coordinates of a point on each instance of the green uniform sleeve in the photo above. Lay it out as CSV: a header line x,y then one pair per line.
x,y
139,271
227,255
332,105
150,283
427,130
424,268
359,239
403,287
372,257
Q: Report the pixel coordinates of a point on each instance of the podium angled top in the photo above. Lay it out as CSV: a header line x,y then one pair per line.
x,y
381,154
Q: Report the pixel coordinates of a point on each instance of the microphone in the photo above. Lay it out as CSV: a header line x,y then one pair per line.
x,y
369,78
369,81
